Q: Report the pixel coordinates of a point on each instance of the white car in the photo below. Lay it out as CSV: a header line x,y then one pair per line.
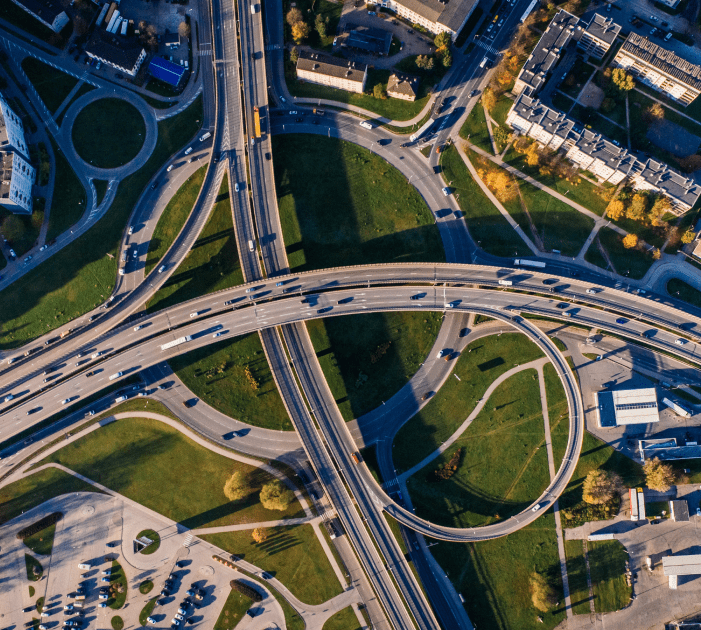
x,y
236,186
592,291
131,230
68,607
139,327
215,335
102,604
161,269
65,402
698,511
169,169
441,354
680,342
42,248
446,191
9,397
536,507
103,596
150,620
179,617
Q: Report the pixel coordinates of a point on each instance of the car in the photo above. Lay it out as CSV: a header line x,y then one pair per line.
x,y
150,620
190,593
253,142
426,396
536,507
91,412
66,401
182,611
188,151
165,593
99,65
12,254
91,373
680,342
105,579
103,596
161,269
442,353
27,259
102,604
266,576
563,305
667,37
446,191
698,511
654,19
592,291
179,617
653,31
162,386
68,607
621,320
42,248
236,187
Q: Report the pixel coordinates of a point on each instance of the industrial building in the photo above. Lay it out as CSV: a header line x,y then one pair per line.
x,y
16,173
628,406
332,71
123,53
436,16
49,12
166,71
674,566
667,449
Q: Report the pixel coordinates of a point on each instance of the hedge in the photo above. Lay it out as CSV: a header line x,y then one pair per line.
x,y
246,590
43,523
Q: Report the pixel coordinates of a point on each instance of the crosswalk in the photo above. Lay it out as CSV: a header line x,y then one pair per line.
x,y
273,47
188,540
390,483
205,53
488,48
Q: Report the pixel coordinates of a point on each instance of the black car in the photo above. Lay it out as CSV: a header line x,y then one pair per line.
x,y
154,185
165,593
298,120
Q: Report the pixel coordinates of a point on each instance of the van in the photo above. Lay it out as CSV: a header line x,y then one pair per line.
x,y
84,566
667,37
505,283
195,314
204,136
483,63
120,399
251,246
188,151
117,375
366,125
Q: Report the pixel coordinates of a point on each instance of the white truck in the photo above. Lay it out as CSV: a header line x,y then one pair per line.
x,y
366,125
176,342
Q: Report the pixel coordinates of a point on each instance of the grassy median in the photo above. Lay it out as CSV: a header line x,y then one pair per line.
x,y
52,85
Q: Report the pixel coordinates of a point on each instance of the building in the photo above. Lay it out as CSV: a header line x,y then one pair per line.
x,y
436,16
166,71
172,40
49,12
545,55
679,510
123,53
659,68
332,71
670,3
598,37
592,152
403,86
666,449
372,40
674,566
16,173
628,406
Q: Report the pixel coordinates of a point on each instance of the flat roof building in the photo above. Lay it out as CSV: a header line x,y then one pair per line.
x,y
624,407
172,40
436,16
598,37
545,55
49,12
679,510
166,71
332,71
372,40
666,449
659,68
123,53
403,86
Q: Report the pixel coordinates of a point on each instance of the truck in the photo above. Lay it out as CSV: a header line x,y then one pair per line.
x,y
65,333
176,342
251,246
206,135
522,262
120,399
256,121
676,408
365,124
505,283
356,457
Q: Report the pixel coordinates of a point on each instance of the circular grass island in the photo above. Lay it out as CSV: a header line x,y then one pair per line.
x,y
152,535
109,133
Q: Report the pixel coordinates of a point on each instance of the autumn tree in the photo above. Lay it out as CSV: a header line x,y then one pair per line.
x,y
12,228
630,241
654,113
688,236
184,29
293,16
637,208
378,91
622,80
275,496
532,156
601,486
300,32
236,487
615,210
543,595
442,41
489,100
500,183
658,475
260,534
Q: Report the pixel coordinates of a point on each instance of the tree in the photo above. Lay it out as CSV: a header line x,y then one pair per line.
x,y
447,59
630,241
688,236
622,80
38,217
615,210
320,25
378,91
543,594
184,29
294,54
658,475
653,113
601,486
532,156
293,16
442,41
260,534
637,208
13,228
424,62
489,99
300,31
236,487
275,496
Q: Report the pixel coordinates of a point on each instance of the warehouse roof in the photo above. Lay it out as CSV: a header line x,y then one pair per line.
x,y
166,70
635,406
682,565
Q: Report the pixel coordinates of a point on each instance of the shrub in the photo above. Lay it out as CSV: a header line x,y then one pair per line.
x,y
246,590
447,470
43,523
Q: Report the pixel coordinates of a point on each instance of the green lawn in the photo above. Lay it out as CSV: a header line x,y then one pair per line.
x,y
82,275
146,587
562,102
343,620
173,218
292,555
367,358
558,413
494,576
234,609
68,202
487,226
475,131
682,291
229,390
28,492
147,610
52,85
211,265
117,577
117,623
654,236
502,467
42,542
595,257
109,132
577,577
128,455
358,210
31,562
631,262
151,535
479,365
29,233
607,563
82,91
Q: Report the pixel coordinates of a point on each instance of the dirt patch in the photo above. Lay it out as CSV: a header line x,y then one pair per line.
x,y
591,96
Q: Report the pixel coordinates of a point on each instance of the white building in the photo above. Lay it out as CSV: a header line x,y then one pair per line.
x,y
598,37
436,16
49,12
627,406
123,53
332,71
16,173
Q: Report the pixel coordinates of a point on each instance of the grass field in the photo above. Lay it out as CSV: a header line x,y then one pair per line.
x,y
146,587
234,609
502,467
558,413
607,563
117,578
487,226
229,390
69,200
173,218
479,365
211,265
30,563
475,131
358,210
147,610
42,542
28,492
117,622
682,291
577,577
292,555
151,535
343,620
109,132
82,275
361,368
632,262
52,85
128,455
494,576
84,89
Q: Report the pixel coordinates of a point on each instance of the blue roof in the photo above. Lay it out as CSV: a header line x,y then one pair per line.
x,y
166,70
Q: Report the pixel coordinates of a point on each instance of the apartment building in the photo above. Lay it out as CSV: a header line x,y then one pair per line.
x,y
332,71
16,173
592,152
49,12
659,68
123,53
436,16
598,37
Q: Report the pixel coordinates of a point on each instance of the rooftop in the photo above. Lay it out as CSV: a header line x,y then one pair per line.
x,y
604,29
115,49
635,406
47,10
403,84
371,39
331,66
450,13
166,70
682,565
